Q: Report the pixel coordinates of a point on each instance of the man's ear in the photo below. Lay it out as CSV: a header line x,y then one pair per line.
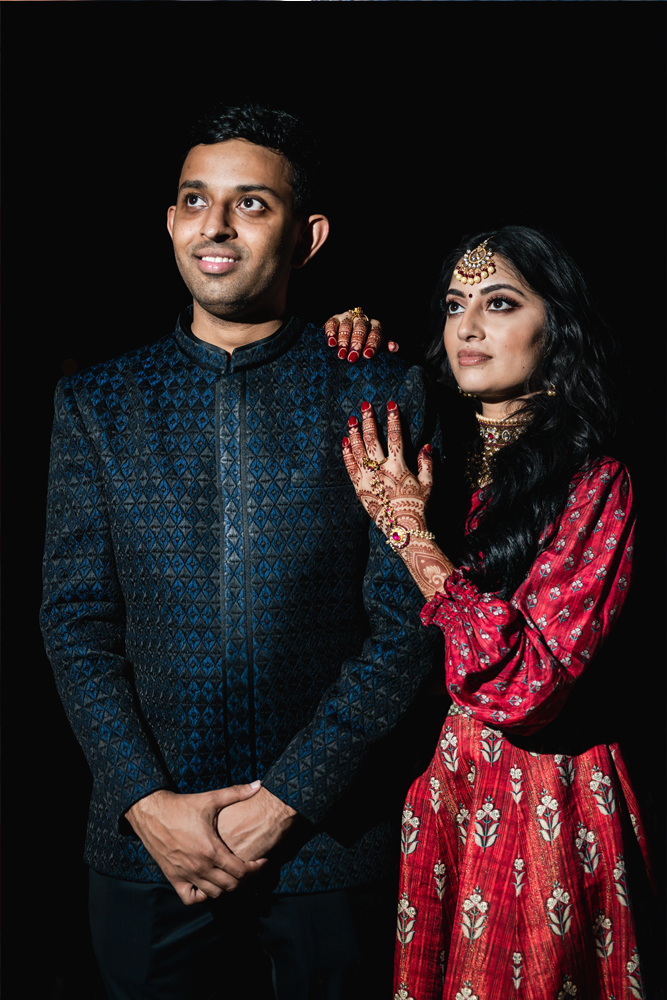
x,y
171,211
313,236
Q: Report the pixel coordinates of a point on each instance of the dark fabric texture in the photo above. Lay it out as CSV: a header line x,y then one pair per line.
x,y
149,946
215,606
317,946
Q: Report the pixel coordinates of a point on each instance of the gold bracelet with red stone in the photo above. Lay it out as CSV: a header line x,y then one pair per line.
x,y
398,535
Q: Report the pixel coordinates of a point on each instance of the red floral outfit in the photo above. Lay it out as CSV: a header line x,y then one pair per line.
x,y
512,872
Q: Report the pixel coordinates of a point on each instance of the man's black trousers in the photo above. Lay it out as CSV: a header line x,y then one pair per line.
x,y
325,946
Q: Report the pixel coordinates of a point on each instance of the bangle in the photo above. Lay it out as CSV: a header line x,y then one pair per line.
x,y
398,535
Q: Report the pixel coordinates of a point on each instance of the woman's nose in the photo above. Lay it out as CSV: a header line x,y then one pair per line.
x,y
471,325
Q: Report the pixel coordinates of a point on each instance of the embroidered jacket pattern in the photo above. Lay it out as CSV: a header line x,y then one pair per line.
x,y
216,607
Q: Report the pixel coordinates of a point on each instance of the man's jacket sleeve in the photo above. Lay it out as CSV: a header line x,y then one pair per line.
x,y
374,690
83,619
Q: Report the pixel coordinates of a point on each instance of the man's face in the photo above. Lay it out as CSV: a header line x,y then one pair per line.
x,y
234,229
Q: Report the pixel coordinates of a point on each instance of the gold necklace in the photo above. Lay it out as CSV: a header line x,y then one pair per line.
x,y
495,434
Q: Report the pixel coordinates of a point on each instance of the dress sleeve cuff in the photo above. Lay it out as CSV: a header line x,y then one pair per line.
x,y
461,601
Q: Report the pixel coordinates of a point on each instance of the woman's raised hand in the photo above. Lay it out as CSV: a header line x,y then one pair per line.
x,y
355,335
392,495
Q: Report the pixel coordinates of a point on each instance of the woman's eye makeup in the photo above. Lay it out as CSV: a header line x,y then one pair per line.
x,y
498,303
501,303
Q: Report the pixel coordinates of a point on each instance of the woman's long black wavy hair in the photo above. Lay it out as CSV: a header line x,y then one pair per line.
x,y
566,431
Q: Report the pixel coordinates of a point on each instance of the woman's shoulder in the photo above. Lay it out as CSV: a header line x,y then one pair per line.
x,y
602,469
601,480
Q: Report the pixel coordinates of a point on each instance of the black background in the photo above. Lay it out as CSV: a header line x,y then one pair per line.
x,y
436,121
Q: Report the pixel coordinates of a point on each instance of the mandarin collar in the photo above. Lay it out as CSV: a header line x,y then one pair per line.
x,y
249,356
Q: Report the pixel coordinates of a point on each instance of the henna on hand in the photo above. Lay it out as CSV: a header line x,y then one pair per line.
x,y
374,339
360,328
331,331
402,498
427,564
344,334
394,432
354,335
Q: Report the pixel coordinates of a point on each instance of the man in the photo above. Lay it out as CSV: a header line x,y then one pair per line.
x,y
216,611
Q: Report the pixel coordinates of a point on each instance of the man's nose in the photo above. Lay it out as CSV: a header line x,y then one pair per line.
x,y
217,224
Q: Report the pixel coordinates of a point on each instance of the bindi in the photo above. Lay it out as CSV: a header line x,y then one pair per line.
x,y
469,295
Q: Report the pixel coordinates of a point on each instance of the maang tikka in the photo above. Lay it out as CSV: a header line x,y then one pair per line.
x,y
475,264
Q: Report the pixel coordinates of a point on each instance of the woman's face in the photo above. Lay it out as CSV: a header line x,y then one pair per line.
x,y
493,337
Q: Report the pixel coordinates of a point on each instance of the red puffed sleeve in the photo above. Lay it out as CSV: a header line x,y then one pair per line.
x,y
513,664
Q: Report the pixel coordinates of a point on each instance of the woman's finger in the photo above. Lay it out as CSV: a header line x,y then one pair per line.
x,y
425,471
344,334
394,434
355,335
373,340
356,442
331,331
360,328
370,433
353,469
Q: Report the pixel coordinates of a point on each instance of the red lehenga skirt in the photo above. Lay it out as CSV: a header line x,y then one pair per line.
x,y
513,881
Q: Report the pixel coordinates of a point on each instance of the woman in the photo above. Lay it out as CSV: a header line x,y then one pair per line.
x,y
516,838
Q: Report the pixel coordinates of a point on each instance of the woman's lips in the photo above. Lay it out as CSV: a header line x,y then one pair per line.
x,y
469,358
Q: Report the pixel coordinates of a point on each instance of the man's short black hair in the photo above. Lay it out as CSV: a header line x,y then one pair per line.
x,y
278,131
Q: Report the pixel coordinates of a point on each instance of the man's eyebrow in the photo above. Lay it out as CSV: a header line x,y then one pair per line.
x,y
191,184
256,187
239,188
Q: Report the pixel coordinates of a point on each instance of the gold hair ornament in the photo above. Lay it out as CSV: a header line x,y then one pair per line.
x,y
398,536
475,264
552,391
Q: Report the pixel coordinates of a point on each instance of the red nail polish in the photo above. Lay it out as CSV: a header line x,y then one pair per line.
x,y
365,406
391,405
332,341
353,421
369,352
353,356
427,448
342,354
346,442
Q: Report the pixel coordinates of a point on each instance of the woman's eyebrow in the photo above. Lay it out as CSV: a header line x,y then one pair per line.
x,y
494,288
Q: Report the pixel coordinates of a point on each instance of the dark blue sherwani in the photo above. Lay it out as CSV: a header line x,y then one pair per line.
x,y
215,609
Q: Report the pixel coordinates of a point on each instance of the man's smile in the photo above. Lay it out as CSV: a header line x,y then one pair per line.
x,y
215,263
